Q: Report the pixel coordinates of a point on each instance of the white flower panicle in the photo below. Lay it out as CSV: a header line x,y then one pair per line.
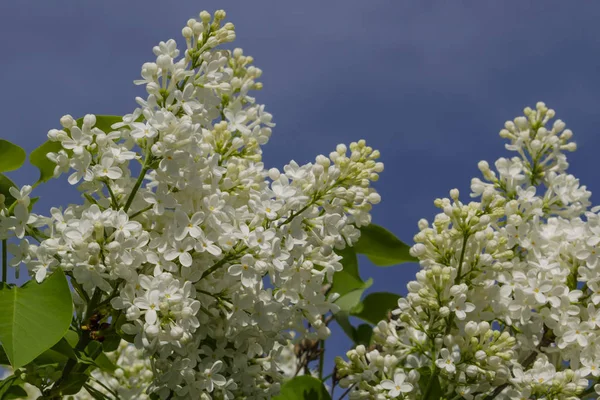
x,y
506,303
207,258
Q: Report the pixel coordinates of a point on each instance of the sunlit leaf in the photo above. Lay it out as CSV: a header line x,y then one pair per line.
x,y
303,388
382,247
11,156
27,328
348,279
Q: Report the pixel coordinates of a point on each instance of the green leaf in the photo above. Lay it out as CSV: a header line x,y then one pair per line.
x,y
103,122
111,341
101,360
34,317
60,352
375,307
348,284
72,338
5,185
121,319
5,384
14,392
50,357
343,320
11,156
303,388
363,334
360,335
348,279
38,158
96,394
64,348
426,380
3,357
111,336
73,384
382,247
104,363
350,300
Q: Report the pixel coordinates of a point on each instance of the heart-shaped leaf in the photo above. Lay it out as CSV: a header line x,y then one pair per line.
x,y
39,158
15,392
34,317
303,388
382,247
5,185
103,122
11,156
348,279
376,306
351,300
8,385
74,383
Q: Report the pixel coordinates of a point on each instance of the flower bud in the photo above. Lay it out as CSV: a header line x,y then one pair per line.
x,y
374,198
152,330
361,350
484,326
472,371
187,32
164,61
67,121
471,328
89,120
480,355
317,169
176,332
274,174
205,16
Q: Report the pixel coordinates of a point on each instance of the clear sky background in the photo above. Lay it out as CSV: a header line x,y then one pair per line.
x,y
429,84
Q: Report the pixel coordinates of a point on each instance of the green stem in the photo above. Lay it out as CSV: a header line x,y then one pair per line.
x,y
80,291
4,262
113,198
220,263
433,378
462,256
90,199
347,391
458,273
143,210
321,358
137,185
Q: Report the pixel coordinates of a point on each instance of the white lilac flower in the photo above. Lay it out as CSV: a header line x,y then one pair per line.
x,y
505,303
180,249
397,386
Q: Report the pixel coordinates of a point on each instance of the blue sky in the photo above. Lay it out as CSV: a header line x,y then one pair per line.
x,y
429,84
